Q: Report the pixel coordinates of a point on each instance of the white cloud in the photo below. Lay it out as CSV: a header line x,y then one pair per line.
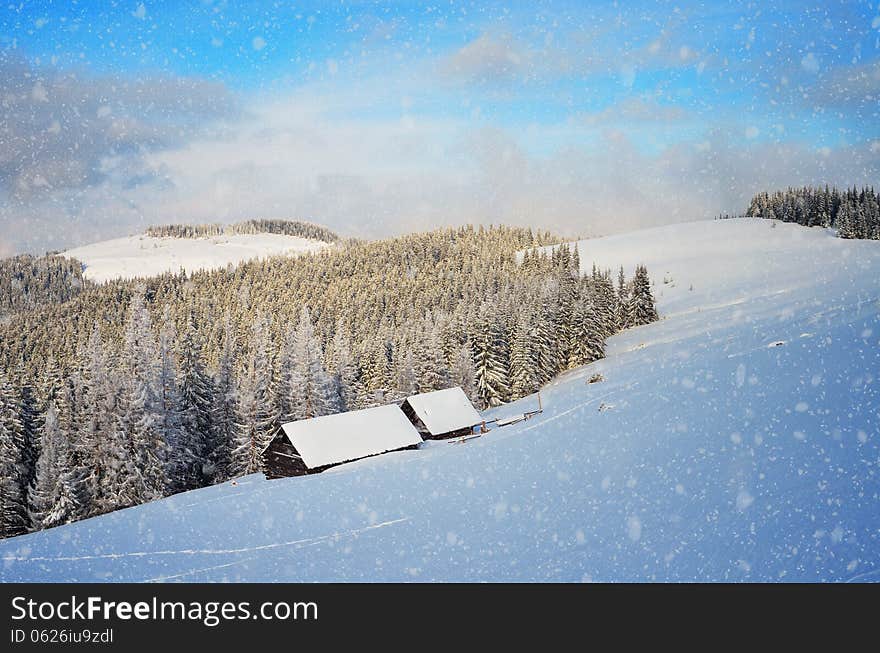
x,y
635,109
38,92
488,58
304,156
258,43
810,63
296,157
311,154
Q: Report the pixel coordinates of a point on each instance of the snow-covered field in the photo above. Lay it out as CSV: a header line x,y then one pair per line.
x,y
738,440
145,256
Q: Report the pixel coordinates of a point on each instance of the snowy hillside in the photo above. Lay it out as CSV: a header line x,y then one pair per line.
x,y
145,256
736,439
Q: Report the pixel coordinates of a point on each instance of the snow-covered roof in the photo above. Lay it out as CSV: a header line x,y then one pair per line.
x,y
443,411
348,436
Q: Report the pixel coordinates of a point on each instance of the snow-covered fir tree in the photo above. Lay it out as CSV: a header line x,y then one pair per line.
x,y
524,359
405,376
623,292
226,404
55,495
197,404
139,420
462,372
342,368
13,471
431,369
169,409
640,308
30,418
587,343
307,389
104,451
257,417
491,354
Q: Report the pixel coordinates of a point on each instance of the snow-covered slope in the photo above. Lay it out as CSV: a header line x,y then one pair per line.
x,y
719,454
146,256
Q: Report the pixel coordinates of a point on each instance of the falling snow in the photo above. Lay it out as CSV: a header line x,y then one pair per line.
x,y
656,489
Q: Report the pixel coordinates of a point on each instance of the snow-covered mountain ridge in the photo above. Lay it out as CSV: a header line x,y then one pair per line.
x,y
146,256
736,439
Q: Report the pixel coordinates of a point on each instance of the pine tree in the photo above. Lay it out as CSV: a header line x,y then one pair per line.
x,y
640,308
431,371
491,360
405,378
566,295
377,371
31,426
307,388
41,496
226,408
103,453
620,307
55,498
587,344
343,370
76,467
139,421
28,411
462,372
524,364
13,498
258,420
169,409
544,338
606,302
197,403
845,222
52,387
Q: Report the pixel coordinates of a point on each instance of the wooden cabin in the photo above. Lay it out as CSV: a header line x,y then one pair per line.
x,y
441,414
312,445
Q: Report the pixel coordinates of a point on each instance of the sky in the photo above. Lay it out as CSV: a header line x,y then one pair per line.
x,y
584,118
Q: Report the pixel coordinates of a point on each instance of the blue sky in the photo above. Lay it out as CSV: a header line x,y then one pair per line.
x,y
377,118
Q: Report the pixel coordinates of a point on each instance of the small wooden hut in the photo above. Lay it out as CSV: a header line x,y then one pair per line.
x,y
312,445
442,414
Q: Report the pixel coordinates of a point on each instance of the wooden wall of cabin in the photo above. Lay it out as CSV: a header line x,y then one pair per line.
x,y
453,434
277,460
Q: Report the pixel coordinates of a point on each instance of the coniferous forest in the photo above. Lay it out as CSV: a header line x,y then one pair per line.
x,y
266,226
28,282
855,213
116,394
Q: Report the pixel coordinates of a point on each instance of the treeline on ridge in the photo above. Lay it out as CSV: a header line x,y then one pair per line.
x,y
265,226
855,213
